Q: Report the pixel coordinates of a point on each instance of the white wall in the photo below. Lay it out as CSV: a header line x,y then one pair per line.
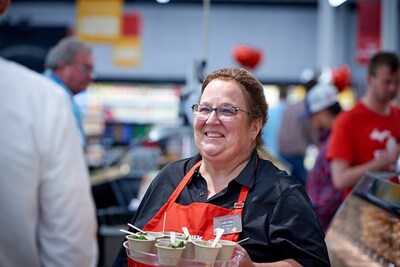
x,y
173,38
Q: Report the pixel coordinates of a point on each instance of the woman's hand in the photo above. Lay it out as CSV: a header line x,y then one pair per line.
x,y
246,262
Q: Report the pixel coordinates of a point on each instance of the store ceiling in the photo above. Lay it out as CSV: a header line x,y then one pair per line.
x,y
219,2
272,2
260,2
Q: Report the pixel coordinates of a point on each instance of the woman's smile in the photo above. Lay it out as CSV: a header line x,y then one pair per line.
x,y
214,135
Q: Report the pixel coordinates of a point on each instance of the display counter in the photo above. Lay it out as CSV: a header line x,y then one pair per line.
x,y
366,229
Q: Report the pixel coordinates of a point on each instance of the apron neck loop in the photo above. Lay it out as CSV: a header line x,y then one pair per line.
x,y
242,198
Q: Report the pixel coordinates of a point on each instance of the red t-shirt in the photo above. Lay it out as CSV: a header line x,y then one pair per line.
x,y
359,134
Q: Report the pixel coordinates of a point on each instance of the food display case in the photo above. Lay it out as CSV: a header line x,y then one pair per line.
x,y
366,229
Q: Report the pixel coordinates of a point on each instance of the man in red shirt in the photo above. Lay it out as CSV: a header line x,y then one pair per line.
x,y
365,137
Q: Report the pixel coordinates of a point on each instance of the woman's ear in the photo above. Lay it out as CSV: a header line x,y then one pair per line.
x,y
256,128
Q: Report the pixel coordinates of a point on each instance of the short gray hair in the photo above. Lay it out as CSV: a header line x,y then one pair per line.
x,y
65,52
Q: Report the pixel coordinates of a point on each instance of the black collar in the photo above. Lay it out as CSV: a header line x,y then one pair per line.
x,y
246,177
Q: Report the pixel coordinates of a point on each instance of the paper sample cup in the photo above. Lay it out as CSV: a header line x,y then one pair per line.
x,y
141,245
226,251
204,252
167,255
188,252
163,240
157,235
177,235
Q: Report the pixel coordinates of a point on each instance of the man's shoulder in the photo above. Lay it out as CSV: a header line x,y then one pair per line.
x,y
395,110
356,111
19,78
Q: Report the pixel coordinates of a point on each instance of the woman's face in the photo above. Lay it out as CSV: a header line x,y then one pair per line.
x,y
218,140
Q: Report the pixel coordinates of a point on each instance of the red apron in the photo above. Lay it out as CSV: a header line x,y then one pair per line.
x,y
197,217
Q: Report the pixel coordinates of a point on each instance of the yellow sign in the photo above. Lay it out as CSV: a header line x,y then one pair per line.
x,y
126,52
99,20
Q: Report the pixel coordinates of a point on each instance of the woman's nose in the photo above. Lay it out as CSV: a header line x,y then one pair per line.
x,y
213,118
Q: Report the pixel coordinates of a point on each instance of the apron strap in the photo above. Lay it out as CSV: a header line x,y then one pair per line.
x,y
242,198
151,224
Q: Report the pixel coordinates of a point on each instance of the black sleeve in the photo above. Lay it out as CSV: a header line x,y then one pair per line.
x,y
295,231
121,259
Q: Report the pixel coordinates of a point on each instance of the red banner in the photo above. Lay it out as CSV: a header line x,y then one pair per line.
x,y
131,24
369,30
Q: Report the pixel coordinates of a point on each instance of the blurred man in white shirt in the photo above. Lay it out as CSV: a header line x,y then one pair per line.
x,y
47,212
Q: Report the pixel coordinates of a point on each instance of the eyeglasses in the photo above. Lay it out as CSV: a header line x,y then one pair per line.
x,y
224,112
82,68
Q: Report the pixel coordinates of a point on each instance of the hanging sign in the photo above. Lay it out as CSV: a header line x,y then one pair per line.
x,y
368,32
99,20
127,49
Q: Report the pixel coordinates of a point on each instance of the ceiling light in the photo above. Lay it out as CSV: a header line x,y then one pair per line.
x,y
336,3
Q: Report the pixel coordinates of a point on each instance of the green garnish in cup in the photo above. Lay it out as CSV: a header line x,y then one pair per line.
x,y
181,244
141,236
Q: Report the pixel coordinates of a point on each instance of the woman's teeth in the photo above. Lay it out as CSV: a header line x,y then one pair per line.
x,y
214,135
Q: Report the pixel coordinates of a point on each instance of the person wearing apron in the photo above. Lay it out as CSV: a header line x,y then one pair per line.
x,y
230,185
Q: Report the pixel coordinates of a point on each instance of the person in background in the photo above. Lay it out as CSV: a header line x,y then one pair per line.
x,y
271,130
365,138
322,107
295,135
70,64
228,178
47,212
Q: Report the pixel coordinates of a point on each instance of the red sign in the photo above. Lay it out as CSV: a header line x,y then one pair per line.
x,y
369,30
131,24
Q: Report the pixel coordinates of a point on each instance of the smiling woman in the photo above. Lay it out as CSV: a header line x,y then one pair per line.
x,y
239,133
228,185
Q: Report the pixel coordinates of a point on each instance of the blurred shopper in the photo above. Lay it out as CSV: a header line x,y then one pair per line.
x,y
271,130
47,213
365,137
70,64
295,135
322,107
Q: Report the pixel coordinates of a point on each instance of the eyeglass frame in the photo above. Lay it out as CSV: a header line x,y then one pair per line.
x,y
237,109
82,68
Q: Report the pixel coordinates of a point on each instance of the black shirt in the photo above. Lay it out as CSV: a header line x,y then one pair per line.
x,y
278,215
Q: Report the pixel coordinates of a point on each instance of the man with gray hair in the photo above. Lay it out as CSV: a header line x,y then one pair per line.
x,y
70,64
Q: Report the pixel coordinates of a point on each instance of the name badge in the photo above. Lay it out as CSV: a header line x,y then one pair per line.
x,y
230,223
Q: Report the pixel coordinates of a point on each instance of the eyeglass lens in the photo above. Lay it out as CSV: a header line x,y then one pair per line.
x,y
223,112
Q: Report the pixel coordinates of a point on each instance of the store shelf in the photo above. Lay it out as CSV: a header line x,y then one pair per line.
x,y
131,103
